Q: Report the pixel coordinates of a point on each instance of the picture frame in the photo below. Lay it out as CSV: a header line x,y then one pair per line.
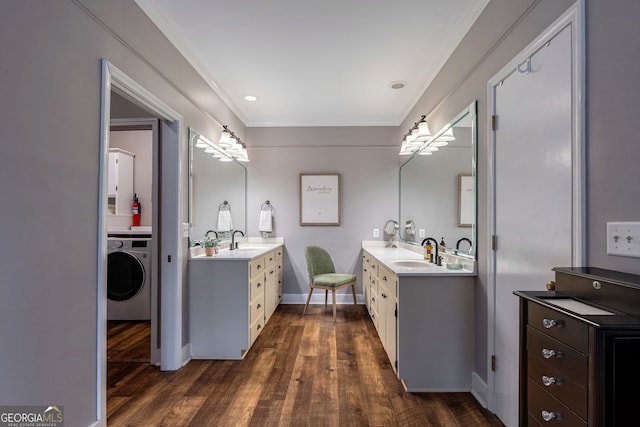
x,y
466,200
319,199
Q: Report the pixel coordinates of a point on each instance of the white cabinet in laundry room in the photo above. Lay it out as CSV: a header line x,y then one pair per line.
x,y
120,182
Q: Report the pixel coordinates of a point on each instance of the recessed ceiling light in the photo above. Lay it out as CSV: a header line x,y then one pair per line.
x,y
397,84
250,98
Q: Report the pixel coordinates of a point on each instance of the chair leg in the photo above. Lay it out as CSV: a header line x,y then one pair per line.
x,y
333,293
308,299
353,289
326,294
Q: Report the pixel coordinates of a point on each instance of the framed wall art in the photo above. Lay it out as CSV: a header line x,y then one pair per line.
x,y
319,199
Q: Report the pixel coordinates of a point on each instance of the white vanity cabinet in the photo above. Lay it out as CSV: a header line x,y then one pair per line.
x,y
425,323
230,301
120,180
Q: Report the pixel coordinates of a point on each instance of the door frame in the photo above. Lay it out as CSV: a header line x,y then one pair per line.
x,y
171,352
574,16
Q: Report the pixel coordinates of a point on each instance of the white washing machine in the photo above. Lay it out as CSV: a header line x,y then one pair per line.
x,y
129,278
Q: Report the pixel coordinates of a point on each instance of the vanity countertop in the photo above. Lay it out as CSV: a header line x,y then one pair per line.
x,y
405,261
248,249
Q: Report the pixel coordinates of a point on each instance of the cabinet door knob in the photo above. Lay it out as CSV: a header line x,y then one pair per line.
x,y
551,285
550,323
548,354
259,307
548,416
547,381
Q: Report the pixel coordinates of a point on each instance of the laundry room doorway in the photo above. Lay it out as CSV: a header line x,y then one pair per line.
x,y
132,278
167,208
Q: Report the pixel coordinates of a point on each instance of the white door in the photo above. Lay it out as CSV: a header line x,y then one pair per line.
x,y
533,195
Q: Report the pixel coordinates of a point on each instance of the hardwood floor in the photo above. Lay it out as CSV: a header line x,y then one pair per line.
x,y
301,371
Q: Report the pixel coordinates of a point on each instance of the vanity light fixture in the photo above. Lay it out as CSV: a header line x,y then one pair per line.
x,y
229,147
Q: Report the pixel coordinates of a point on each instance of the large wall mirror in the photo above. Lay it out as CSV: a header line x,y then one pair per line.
x,y
438,195
217,192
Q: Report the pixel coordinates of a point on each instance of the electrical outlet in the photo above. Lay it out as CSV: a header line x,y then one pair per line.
x,y
185,229
623,239
421,232
376,232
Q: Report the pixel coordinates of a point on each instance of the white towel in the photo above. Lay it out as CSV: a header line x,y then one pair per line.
x,y
264,225
224,221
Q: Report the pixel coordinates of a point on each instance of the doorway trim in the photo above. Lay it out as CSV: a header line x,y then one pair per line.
x,y
171,354
574,16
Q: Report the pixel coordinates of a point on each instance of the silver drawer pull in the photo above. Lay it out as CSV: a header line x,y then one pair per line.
x,y
547,381
550,323
548,354
548,416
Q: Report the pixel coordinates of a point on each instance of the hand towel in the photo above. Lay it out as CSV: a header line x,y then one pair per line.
x,y
264,225
224,221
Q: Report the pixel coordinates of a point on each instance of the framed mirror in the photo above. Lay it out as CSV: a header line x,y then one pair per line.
x,y
438,191
217,192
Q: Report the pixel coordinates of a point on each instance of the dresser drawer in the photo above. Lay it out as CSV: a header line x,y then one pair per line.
x,y
559,385
566,359
562,327
540,401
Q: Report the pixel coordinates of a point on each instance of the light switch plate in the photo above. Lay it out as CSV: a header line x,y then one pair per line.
x,y
623,239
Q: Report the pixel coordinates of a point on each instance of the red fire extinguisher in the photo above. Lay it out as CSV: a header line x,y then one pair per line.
x,y
135,211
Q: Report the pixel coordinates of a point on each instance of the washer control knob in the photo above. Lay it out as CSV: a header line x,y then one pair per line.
x,y
119,244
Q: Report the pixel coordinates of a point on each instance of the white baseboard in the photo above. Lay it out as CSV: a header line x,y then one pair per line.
x,y
479,389
318,298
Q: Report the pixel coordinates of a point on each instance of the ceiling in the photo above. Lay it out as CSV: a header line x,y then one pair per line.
x,y
316,63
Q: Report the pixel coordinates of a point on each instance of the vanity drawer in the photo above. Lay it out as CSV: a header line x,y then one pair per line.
x,y
562,327
255,329
373,270
540,401
566,359
563,388
256,267
256,287
270,259
257,309
389,280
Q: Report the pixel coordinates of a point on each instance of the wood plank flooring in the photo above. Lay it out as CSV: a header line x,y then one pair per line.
x,y
301,371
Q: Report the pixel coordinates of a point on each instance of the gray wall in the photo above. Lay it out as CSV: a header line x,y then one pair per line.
x,y
505,28
366,158
49,156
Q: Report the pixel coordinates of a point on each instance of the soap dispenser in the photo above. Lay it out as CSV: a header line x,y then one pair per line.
x,y
442,245
428,249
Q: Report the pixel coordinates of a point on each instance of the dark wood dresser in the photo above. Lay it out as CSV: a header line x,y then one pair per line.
x,y
580,350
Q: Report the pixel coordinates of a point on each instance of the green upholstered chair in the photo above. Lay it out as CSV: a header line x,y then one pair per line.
x,y
322,275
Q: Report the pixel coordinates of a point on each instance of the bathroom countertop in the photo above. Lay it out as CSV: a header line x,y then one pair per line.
x,y
248,249
392,258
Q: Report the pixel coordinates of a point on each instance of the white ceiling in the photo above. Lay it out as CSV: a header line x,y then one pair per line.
x,y
316,63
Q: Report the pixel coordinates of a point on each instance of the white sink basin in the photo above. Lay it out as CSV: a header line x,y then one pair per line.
x,y
412,263
251,248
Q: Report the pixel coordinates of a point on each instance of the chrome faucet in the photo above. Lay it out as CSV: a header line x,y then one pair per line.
x,y
234,245
436,257
464,239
